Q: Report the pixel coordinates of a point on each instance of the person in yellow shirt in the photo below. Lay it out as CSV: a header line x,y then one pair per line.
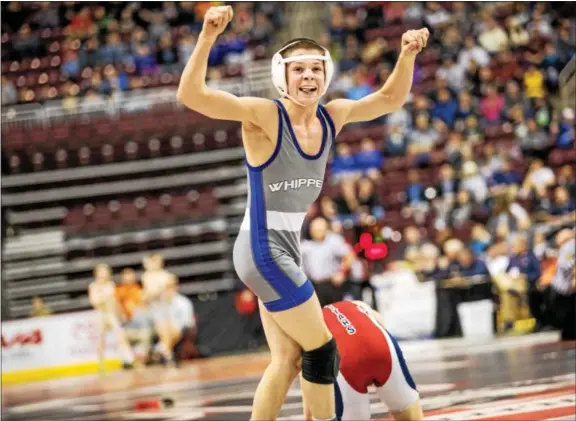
x,y
534,82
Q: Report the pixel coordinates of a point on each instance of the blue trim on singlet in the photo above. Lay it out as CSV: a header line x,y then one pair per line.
x,y
276,149
295,139
290,294
403,365
326,115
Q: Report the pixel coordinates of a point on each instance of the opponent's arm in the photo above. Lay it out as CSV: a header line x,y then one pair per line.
x,y
193,91
392,95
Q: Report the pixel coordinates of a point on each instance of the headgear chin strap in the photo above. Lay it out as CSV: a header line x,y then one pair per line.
x,y
279,69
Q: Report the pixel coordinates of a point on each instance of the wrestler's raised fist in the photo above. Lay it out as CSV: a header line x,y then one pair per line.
x,y
216,19
414,41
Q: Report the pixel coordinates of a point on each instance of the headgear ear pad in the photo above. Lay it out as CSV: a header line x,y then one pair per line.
x,y
279,66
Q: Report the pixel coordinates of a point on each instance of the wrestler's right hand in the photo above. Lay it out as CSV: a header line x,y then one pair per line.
x,y
215,21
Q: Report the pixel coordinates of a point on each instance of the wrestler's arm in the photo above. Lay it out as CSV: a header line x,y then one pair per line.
x,y
391,96
196,95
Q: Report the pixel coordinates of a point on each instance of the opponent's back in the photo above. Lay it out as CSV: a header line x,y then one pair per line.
x,y
364,350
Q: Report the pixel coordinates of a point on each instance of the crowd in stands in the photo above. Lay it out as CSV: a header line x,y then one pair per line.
x,y
487,148
477,169
75,49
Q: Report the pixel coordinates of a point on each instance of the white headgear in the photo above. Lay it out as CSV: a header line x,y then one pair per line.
x,y
279,68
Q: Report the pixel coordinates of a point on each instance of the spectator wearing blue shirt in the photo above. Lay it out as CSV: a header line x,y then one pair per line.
x,y
114,51
361,86
507,175
396,142
465,106
417,205
475,273
369,160
480,240
445,108
344,163
562,204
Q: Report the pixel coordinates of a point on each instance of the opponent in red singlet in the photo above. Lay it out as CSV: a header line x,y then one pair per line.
x,y
369,356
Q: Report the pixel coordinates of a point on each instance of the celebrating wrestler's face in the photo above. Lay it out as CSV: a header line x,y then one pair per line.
x,y
305,78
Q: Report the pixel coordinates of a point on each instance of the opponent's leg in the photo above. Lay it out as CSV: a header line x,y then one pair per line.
x,y
305,325
280,373
399,392
351,405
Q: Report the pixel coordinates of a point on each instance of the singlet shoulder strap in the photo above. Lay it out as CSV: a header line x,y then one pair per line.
x,y
324,113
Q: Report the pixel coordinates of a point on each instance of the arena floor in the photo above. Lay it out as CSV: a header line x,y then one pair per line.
x,y
521,378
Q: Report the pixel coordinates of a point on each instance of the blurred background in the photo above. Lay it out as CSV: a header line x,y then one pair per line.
x,y
446,212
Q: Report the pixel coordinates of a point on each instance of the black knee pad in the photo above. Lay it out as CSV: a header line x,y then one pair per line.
x,y
321,365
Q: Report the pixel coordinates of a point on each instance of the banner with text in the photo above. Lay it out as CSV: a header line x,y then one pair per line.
x,y
53,341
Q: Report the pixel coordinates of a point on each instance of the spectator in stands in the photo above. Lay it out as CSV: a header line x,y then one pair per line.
x,y
416,203
422,139
181,325
455,150
475,276
567,179
9,92
534,82
114,51
522,273
445,108
346,201
472,131
466,106
493,38
336,256
563,131
534,141
462,212
39,308
448,295
167,54
129,294
134,315
396,141
369,206
563,287
369,159
102,296
90,54
472,52
343,163
185,48
362,86
519,36
480,240
409,249
155,280
474,183
563,204
538,178
492,106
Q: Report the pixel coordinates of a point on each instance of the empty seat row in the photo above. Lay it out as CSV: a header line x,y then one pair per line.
x,y
142,211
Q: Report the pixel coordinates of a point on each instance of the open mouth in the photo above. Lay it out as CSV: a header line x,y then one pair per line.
x,y
308,90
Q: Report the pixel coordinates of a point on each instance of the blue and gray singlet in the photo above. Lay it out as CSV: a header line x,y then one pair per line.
x,y
267,250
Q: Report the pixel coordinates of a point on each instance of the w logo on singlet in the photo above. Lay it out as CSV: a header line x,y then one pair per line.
x,y
295,184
